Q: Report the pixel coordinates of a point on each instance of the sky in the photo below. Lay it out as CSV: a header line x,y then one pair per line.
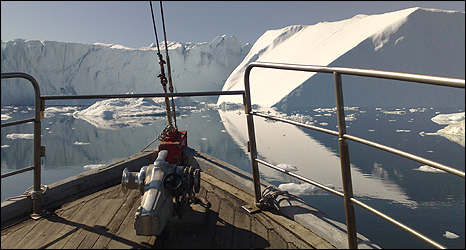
x,y
129,23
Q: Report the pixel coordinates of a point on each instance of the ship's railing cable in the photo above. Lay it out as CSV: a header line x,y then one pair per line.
x,y
170,82
162,76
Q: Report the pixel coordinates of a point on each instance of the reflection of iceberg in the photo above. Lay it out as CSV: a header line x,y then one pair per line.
x,y
117,113
454,132
283,143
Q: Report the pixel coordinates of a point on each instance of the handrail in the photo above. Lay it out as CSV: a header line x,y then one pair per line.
x,y
342,141
38,149
341,133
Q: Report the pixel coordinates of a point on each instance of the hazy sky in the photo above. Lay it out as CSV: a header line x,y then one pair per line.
x,y
130,23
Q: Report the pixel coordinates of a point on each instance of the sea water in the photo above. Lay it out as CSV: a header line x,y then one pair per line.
x,y
430,202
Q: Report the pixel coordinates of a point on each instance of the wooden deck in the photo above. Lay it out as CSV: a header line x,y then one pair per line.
x,y
105,220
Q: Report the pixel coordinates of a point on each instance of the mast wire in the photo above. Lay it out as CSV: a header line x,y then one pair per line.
x,y
170,82
162,76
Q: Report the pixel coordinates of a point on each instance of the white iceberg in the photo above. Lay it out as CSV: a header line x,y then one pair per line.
x,y
450,235
5,117
117,113
303,189
15,136
444,119
429,169
287,167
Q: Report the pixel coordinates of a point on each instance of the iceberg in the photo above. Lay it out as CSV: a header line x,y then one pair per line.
x,y
65,68
455,129
414,40
443,119
128,112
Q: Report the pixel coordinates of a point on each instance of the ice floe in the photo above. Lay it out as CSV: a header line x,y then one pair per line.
x,y
20,136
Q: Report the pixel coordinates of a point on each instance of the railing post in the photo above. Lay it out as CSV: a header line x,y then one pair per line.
x,y
345,165
252,148
38,149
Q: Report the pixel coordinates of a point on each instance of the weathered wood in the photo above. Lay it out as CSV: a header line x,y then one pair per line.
x,y
114,225
242,234
113,201
105,219
11,239
126,236
224,226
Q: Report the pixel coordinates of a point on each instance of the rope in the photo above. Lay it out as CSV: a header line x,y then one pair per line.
x,y
162,134
162,77
268,197
170,82
29,192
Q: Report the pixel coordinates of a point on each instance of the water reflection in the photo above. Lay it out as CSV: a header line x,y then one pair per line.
x,y
284,143
400,187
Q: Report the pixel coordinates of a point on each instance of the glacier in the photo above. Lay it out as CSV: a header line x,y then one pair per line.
x,y
414,40
65,68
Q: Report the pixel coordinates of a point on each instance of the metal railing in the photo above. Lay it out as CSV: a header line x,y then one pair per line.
x,y
39,151
347,194
39,101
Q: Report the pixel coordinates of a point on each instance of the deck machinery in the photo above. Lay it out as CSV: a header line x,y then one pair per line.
x,y
164,185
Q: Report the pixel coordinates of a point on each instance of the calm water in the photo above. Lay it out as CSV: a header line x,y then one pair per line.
x,y
431,203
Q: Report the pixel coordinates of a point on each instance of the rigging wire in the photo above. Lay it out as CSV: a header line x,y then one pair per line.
x,y
162,76
169,127
170,82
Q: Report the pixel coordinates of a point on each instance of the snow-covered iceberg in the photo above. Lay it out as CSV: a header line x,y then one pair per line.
x,y
65,68
414,40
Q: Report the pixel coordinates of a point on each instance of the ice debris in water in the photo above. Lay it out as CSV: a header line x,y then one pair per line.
x,y
450,235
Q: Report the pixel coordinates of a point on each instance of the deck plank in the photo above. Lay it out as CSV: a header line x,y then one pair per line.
x,y
126,236
114,202
87,225
59,219
224,225
105,219
242,224
73,225
10,240
114,225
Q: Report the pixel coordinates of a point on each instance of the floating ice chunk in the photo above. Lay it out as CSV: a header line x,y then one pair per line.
x,y
93,166
304,188
396,112
5,146
450,235
81,143
429,169
118,113
288,167
49,112
350,117
5,117
20,136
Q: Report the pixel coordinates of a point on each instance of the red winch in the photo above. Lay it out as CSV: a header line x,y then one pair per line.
x,y
173,142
